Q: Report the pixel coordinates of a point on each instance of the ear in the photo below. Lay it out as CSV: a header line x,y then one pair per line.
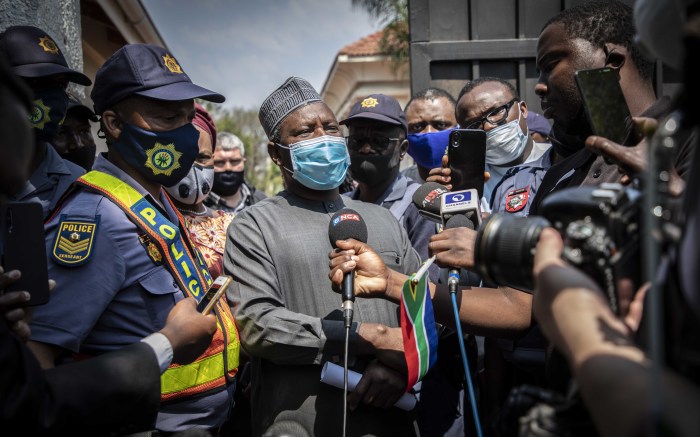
x,y
403,148
523,108
615,56
112,124
274,153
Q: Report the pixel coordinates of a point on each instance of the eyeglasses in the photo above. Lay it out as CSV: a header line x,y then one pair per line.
x,y
495,117
376,142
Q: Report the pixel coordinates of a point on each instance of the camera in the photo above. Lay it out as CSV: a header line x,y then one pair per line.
x,y
600,228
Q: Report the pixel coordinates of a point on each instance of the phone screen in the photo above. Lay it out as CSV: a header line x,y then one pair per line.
x,y
215,292
604,103
467,157
24,249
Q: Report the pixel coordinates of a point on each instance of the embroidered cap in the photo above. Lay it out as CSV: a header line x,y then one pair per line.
x,y
378,107
292,94
32,53
145,70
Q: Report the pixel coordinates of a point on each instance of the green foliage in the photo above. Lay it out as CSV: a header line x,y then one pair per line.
x,y
396,38
243,122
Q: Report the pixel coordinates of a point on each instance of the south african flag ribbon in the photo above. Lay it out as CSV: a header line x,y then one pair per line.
x,y
418,329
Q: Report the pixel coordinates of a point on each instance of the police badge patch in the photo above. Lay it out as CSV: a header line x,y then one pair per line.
x,y
517,199
74,241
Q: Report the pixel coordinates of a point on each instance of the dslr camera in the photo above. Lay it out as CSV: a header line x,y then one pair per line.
x,y
600,228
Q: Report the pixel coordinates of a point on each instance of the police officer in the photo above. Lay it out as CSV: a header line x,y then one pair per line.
x,y
35,57
74,141
118,248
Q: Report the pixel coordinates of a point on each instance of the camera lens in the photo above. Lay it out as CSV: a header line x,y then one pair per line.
x,y
455,139
504,249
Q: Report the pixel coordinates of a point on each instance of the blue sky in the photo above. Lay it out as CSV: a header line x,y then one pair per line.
x,y
245,49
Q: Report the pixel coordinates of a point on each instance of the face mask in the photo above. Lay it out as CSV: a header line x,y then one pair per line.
x,y
319,163
374,169
659,25
83,156
193,189
162,157
48,111
227,183
505,143
427,149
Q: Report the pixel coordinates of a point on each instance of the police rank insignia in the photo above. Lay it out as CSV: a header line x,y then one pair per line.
x,y
163,159
48,45
74,241
172,65
369,102
517,199
39,115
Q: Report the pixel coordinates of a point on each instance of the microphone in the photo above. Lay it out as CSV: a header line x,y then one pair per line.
x,y
456,221
345,224
427,200
465,203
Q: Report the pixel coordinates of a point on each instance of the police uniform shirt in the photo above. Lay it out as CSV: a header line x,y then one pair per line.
x,y
49,181
418,228
117,294
517,189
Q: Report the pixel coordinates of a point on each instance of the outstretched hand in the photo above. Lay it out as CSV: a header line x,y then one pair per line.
x,y
188,331
371,274
12,304
633,160
453,247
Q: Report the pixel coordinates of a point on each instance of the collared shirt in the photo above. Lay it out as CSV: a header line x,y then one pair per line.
x,y
288,316
49,181
497,172
418,228
522,181
119,296
249,196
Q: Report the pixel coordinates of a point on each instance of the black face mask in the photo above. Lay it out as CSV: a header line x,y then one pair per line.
x,y
227,183
373,169
83,156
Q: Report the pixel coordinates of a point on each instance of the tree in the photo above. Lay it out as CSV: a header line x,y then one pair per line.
x,y
393,15
243,122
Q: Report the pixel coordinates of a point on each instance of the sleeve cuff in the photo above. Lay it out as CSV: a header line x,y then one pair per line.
x,y
162,348
334,331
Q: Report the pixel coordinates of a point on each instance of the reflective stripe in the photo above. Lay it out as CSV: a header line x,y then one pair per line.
x,y
198,373
207,372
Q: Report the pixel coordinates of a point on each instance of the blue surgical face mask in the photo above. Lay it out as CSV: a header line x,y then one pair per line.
x,y
428,148
48,111
162,157
319,163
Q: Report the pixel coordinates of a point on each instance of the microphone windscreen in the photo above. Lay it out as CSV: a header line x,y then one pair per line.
x,y
347,223
427,197
459,221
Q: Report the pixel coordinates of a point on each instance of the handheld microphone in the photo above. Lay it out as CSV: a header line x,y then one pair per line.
x,y
345,224
427,200
465,203
456,221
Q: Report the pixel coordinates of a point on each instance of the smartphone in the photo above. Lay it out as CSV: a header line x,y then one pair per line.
x,y
24,247
217,289
605,105
467,157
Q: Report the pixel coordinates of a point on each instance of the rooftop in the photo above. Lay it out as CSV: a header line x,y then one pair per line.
x,y
367,46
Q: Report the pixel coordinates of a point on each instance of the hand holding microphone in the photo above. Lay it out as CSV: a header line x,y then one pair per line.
x,y
346,224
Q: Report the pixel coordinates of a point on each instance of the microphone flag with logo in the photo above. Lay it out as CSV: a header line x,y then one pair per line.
x,y
418,329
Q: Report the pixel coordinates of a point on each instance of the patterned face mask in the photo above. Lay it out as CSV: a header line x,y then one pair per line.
x,y
162,157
